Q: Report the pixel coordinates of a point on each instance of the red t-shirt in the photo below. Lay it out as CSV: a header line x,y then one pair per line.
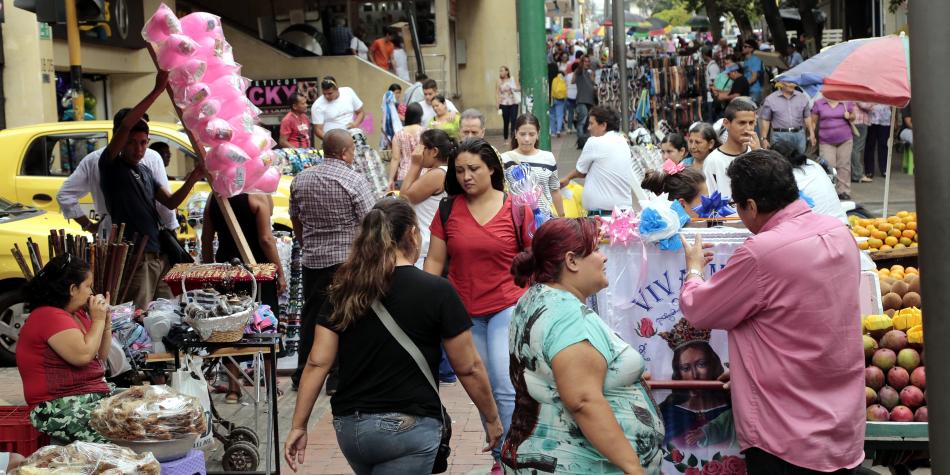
x,y
380,52
480,256
297,129
46,375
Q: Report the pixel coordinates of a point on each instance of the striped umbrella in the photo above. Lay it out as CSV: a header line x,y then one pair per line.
x,y
870,69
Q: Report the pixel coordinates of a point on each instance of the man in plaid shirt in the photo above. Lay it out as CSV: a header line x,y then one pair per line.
x,y
327,204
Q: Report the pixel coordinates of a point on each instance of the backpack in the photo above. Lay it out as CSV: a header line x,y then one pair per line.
x,y
559,87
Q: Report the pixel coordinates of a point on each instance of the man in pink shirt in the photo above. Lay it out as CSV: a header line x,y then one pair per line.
x,y
789,300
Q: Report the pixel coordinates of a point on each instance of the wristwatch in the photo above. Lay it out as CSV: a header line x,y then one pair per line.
x,y
696,272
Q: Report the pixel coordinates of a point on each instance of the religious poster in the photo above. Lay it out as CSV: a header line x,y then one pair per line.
x,y
643,308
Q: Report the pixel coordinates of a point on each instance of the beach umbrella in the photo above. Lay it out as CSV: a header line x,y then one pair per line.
x,y
869,70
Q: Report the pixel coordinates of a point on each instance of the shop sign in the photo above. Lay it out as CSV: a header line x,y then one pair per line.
x,y
122,27
273,95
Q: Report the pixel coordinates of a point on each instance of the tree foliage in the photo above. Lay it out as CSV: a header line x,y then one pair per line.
x,y
677,16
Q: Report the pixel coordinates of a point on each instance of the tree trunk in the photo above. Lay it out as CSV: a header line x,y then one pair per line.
x,y
811,42
776,26
743,22
713,13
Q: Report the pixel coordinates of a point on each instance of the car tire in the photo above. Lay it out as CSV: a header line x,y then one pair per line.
x,y
12,317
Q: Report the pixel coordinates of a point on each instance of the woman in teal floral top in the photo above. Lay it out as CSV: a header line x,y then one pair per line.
x,y
581,403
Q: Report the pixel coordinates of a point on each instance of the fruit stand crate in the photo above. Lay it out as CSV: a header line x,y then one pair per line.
x,y
895,436
904,257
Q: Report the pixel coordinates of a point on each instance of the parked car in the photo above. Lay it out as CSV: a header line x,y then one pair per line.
x,y
17,223
37,159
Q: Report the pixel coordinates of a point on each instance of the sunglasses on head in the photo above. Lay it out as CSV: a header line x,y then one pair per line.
x,y
60,268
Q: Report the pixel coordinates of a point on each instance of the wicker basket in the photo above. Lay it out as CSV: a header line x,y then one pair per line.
x,y
227,328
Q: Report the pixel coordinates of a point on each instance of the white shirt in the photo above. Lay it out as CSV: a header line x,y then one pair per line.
x,y
401,64
85,180
715,168
337,114
814,183
413,94
360,48
571,86
425,213
608,165
428,113
712,71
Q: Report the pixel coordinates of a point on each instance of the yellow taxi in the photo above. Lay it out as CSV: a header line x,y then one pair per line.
x,y
37,159
17,223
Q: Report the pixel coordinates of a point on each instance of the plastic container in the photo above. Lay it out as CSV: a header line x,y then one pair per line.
x,y
164,450
16,432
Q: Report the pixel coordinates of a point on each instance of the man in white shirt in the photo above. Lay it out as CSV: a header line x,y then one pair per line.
x,y
337,108
85,180
739,120
606,166
430,89
414,93
571,100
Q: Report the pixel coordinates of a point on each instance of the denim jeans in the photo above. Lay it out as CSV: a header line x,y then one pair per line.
x,y
490,333
857,152
569,115
389,443
557,116
796,139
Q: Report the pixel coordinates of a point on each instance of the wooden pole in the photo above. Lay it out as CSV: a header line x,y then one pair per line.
x,y
246,255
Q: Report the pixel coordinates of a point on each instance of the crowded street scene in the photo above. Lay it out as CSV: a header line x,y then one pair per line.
x,y
471,237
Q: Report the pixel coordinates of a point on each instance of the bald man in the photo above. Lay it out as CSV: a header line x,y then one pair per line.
x,y
327,204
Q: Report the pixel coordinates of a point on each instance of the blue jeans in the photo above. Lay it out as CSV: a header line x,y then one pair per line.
x,y
490,333
557,116
389,443
446,372
795,139
569,116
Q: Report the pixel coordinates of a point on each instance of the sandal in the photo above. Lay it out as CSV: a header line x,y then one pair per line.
x,y
233,398
866,179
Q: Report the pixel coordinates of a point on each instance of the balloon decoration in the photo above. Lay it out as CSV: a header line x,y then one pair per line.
x,y
208,87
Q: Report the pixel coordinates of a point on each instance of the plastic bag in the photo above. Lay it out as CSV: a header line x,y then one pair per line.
x,y
143,413
88,458
189,380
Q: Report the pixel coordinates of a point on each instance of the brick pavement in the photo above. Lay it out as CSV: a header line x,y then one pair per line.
x,y
323,456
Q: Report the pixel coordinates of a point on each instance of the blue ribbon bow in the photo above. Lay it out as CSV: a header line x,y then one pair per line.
x,y
714,206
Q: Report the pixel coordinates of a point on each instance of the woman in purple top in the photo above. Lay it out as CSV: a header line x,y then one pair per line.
x,y
835,139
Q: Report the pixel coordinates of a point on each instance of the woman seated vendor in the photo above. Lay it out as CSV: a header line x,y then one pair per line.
x,y
61,350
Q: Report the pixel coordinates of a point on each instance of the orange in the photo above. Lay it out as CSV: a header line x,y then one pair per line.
x,y
906,241
884,271
875,243
913,244
885,248
863,245
890,241
861,231
900,246
908,220
894,232
897,267
880,235
909,233
893,219
900,226
902,214
911,270
864,222
885,227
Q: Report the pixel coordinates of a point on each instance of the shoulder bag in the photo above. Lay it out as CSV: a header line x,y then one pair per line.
x,y
168,242
442,456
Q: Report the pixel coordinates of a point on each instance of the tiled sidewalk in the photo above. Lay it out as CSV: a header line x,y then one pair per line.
x,y
324,457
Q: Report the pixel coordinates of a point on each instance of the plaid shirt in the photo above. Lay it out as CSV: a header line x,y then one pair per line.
x,y
329,201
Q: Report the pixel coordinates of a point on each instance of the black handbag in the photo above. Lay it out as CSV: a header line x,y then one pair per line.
x,y
168,241
442,456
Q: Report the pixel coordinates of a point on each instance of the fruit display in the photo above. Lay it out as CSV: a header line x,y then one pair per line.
x,y
900,289
895,378
884,234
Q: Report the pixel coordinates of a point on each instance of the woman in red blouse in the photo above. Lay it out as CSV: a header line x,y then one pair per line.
x,y
478,242
61,350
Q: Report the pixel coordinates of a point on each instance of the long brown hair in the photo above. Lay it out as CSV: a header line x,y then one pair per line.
x,y
365,276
